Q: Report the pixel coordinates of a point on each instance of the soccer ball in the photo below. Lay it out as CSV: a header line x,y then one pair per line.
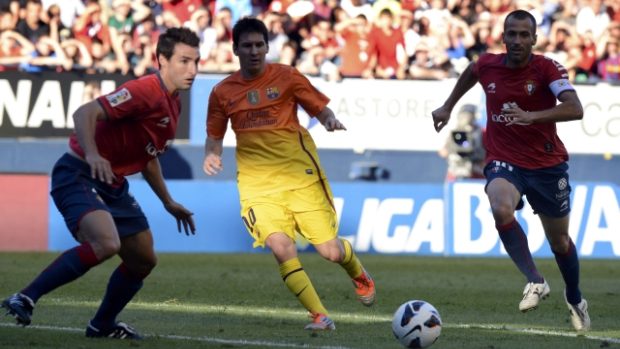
x,y
416,324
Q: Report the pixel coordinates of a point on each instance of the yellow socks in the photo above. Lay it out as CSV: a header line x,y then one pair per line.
x,y
297,281
350,263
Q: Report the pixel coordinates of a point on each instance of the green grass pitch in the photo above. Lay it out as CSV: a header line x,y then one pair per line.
x,y
239,301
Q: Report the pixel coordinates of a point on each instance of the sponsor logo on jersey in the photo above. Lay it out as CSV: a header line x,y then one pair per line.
x,y
273,92
253,97
530,87
491,87
118,97
164,122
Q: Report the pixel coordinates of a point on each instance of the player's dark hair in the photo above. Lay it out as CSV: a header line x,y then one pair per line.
x,y
173,36
249,25
521,15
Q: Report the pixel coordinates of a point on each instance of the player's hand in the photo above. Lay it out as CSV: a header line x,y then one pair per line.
x,y
183,216
100,168
333,124
212,164
517,116
441,116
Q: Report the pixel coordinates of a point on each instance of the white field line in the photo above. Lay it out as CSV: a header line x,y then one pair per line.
x,y
240,342
285,313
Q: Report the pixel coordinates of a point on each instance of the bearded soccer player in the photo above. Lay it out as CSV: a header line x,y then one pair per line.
x,y
282,186
525,156
116,135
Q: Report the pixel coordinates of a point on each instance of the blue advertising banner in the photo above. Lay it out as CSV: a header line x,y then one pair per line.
x,y
452,219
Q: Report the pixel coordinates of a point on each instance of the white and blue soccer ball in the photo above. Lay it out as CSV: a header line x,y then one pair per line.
x,y
416,324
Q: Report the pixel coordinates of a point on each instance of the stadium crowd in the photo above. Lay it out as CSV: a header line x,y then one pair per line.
x,y
407,39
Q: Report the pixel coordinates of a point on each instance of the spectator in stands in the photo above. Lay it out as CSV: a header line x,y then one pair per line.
x,y
7,21
14,50
386,48
609,66
31,26
68,10
592,16
564,46
183,9
47,56
238,8
481,31
357,7
460,39
322,50
426,66
200,23
92,29
354,54
125,15
586,67
12,8
277,37
77,53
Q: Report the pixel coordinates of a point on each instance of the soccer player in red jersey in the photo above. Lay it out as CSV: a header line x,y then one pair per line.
x,y
282,187
525,156
116,135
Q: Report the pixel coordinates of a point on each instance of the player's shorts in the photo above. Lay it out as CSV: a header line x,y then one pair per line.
x,y
308,210
76,193
547,189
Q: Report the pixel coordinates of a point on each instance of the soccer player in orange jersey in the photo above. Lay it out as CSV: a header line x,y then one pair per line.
x,y
282,186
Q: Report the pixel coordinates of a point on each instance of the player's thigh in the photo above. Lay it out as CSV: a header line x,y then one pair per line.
x,y
549,191
504,187
267,215
314,213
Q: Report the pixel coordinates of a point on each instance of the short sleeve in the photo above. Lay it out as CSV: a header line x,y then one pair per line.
x,y
217,121
311,99
126,101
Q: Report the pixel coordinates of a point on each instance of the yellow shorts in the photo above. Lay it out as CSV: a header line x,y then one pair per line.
x,y
308,210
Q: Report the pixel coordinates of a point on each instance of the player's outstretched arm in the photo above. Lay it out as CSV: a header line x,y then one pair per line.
x,y
212,163
466,81
85,120
154,177
329,121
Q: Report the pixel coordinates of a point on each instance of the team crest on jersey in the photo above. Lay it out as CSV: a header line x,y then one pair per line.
x,y
273,92
530,87
118,97
253,97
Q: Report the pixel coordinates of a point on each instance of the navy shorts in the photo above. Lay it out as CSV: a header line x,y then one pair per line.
x,y
76,193
547,189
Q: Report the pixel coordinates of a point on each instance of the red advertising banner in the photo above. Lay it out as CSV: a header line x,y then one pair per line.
x,y
24,212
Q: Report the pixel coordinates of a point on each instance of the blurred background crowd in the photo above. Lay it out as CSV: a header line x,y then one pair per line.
x,y
381,39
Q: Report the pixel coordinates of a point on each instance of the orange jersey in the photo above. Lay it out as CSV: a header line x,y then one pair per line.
x,y
274,152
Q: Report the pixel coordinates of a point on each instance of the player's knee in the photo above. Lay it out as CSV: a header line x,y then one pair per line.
x,y
333,255
145,266
106,248
560,244
502,212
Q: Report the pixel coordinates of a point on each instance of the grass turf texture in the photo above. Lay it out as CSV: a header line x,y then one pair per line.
x,y
232,300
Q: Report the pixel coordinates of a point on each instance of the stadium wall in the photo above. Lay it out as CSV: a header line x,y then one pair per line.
x,y
451,219
389,126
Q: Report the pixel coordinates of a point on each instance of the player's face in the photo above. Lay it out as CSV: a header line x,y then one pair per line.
x,y
251,50
519,38
179,71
